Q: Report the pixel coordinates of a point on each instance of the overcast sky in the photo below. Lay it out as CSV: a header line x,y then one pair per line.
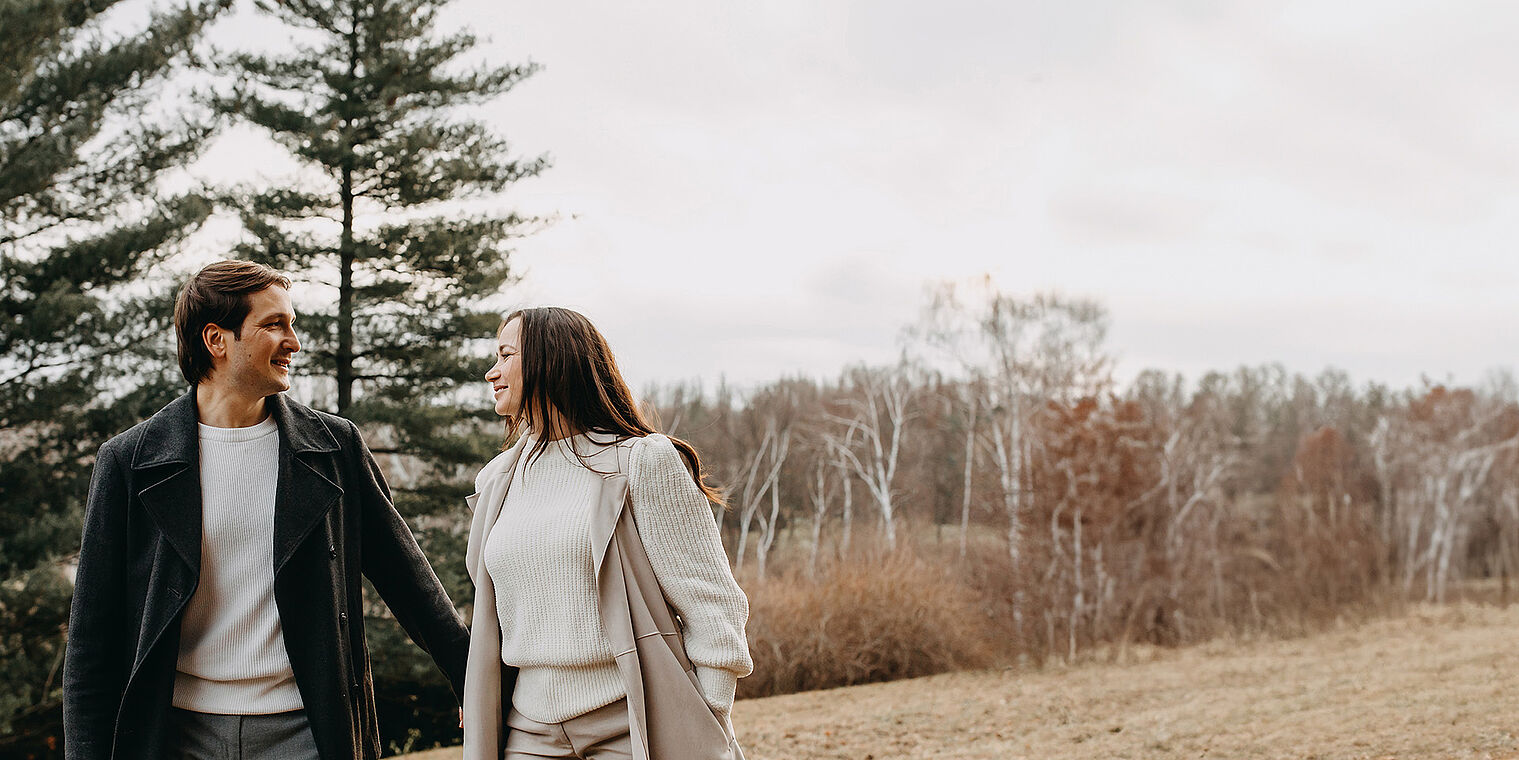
x,y
758,189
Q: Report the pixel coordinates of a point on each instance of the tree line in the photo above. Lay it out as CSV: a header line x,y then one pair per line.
x,y
1158,510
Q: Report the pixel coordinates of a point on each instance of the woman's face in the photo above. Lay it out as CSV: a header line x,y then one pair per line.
x,y
506,376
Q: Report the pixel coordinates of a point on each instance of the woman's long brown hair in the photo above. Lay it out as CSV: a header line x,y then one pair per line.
x,y
568,369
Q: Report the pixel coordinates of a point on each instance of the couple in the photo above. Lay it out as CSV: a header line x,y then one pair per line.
x,y
218,607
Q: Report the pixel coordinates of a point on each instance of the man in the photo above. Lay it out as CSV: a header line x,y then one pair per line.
x,y
218,605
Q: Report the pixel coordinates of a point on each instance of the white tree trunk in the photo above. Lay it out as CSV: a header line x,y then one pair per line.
x,y
970,464
819,496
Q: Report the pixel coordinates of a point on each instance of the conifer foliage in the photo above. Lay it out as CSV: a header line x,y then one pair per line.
x,y
367,100
81,217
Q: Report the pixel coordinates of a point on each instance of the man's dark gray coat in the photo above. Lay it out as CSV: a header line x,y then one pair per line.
x,y
140,560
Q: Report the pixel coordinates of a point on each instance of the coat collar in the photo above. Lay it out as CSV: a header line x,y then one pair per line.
x,y
170,445
486,505
302,430
171,436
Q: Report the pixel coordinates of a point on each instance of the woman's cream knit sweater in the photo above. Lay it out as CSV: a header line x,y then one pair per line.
x,y
538,555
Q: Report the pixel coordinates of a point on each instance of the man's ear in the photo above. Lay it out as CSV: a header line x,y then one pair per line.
x,y
216,338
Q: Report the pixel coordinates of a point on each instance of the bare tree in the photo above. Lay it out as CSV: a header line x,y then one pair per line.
x,y
762,474
1024,352
1435,460
837,446
970,403
770,524
879,407
819,494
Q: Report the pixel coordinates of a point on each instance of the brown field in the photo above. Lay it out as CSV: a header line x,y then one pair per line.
x,y
1437,682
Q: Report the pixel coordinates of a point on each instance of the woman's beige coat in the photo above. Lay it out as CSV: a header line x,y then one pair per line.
x,y
667,716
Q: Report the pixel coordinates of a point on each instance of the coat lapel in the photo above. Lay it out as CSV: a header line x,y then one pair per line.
x,y
486,506
304,494
167,457
614,492
484,700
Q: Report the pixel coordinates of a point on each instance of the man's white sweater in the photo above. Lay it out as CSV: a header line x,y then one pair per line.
x,y
538,555
232,657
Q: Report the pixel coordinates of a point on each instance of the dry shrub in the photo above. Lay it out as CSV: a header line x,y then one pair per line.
x,y
1259,566
1264,574
1006,598
1313,567
862,621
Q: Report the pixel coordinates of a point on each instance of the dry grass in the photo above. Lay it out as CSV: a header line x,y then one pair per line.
x,y
1437,682
875,619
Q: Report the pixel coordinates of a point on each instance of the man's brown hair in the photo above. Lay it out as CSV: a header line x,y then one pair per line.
x,y
216,295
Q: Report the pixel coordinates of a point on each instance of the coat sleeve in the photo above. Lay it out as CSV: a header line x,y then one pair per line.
x,y
395,565
685,550
97,658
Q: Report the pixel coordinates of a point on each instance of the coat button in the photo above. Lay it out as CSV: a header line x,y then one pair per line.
x,y
343,618
332,551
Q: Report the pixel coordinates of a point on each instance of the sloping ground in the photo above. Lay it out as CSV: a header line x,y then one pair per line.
x,y
1439,682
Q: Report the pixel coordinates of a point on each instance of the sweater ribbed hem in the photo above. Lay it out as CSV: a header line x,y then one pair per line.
x,y
266,695
556,694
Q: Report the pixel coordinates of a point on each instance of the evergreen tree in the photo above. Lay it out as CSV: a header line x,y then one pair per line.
x,y
371,102
81,219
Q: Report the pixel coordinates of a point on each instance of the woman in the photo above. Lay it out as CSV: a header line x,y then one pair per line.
x,y
563,520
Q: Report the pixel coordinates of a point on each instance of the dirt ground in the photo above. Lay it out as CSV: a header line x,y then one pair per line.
x,y
1439,682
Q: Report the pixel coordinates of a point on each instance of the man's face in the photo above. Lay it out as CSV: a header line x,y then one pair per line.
x,y
258,362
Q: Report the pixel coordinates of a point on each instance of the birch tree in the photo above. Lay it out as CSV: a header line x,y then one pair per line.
x,y
970,396
819,493
1024,352
876,413
1435,460
837,446
761,476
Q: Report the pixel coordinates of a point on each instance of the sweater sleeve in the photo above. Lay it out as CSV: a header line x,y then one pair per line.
x,y
680,536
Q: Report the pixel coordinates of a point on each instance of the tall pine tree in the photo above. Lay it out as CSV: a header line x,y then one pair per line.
x,y
81,218
371,102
